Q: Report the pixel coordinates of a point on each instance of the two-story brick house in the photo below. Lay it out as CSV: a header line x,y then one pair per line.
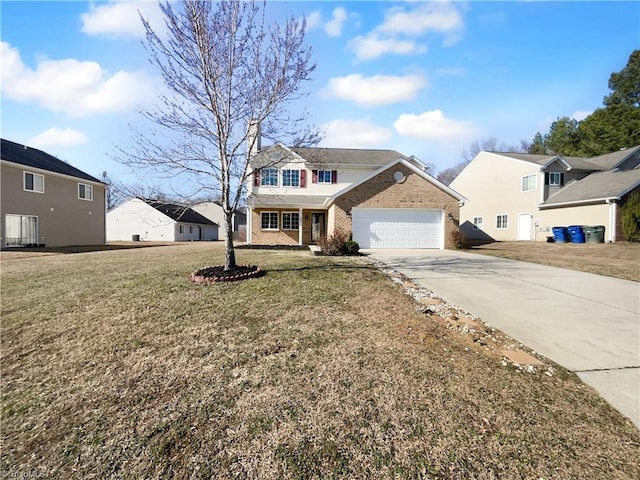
x,y
519,196
45,201
383,198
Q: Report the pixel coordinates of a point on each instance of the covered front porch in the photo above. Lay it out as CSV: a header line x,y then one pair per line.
x,y
286,220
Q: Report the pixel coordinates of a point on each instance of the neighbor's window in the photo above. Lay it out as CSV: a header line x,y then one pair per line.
x,y
502,221
85,192
555,178
190,228
181,229
324,176
269,220
477,223
529,182
290,220
34,182
290,178
269,177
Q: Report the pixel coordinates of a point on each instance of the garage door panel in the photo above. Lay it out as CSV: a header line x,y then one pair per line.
x,y
397,228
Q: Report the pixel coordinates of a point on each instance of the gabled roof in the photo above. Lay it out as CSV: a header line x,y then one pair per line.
x,y
597,186
332,157
348,156
179,213
34,158
613,159
411,166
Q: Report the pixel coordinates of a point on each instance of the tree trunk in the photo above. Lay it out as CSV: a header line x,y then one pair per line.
x,y
229,252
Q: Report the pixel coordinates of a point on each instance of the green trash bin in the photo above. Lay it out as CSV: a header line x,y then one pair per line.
x,y
594,234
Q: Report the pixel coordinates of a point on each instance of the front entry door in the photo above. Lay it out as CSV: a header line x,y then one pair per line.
x,y
317,226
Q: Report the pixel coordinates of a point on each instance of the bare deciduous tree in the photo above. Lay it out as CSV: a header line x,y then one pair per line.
x,y
224,67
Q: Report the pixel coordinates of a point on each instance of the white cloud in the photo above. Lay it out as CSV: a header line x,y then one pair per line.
x,y
403,26
372,46
56,137
376,90
77,88
334,26
121,18
580,115
433,125
313,20
441,17
354,134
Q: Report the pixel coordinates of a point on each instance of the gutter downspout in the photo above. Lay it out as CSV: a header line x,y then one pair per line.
x,y
613,214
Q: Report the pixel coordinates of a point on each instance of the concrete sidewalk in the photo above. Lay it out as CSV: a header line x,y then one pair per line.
x,y
587,323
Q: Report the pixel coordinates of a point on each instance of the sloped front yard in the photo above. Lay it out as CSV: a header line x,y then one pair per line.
x,y
115,366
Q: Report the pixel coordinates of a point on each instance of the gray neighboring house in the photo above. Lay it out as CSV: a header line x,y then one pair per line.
x,y
213,211
46,201
159,221
519,196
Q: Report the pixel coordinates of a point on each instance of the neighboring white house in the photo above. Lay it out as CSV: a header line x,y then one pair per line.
x,y
151,220
213,211
515,196
383,198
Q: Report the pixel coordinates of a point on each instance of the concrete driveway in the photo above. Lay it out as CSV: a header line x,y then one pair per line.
x,y
587,323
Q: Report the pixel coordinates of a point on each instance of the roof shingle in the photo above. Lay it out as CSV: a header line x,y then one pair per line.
x,y
34,158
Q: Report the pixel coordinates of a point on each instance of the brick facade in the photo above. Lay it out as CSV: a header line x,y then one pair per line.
x,y
382,191
281,237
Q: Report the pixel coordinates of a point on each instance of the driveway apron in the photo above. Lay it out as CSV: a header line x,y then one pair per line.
x,y
590,324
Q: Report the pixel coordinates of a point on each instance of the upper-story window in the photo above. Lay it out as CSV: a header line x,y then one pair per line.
x,y
85,192
324,176
529,182
33,182
269,177
290,178
555,179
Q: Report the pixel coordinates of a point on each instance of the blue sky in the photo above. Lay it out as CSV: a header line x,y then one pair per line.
x,y
424,78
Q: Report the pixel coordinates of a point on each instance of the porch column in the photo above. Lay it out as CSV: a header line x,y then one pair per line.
x,y
249,226
300,220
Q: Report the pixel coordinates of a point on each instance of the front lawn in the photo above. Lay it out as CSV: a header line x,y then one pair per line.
x,y
115,366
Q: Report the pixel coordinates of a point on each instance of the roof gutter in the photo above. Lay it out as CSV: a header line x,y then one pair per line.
x,y
579,202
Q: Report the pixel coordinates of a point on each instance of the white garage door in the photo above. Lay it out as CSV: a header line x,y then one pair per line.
x,y
397,228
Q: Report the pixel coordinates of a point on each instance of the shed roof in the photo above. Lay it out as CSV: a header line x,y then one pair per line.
x,y
596,186
34,158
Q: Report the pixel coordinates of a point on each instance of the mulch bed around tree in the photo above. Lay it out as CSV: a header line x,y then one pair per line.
x,y
217,273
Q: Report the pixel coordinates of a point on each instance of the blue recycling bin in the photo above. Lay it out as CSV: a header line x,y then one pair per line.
x,y
560,234
577,234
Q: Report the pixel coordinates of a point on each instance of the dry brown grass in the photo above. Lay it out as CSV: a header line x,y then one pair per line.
x,y
115,366
620,259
